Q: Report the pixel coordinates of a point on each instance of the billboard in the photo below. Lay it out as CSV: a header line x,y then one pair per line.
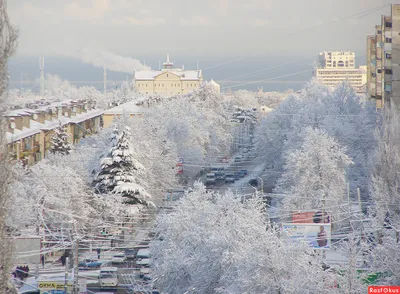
x,y
317,236
310,217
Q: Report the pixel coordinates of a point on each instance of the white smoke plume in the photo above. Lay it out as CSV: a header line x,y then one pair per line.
x,y
112,61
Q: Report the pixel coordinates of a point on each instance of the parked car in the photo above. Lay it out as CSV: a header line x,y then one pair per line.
x,y
253,182
118,257
108,277
238,159
89,263
210,179
220,175
229,178
237,175
244,172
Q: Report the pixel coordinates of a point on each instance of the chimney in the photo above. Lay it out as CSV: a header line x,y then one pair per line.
x,y
39,116
15,122
26,120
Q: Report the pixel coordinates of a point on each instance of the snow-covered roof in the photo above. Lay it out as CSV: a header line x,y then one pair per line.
x,y
18,112
35,126
85,116
183,74
128,108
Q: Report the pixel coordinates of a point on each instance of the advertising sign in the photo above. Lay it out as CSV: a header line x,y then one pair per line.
x,y
310,217
53,287
317,236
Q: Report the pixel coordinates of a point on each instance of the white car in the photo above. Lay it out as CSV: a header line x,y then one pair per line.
x,y
118,257
108,277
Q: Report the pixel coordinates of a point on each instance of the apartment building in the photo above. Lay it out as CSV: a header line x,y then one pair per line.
x,y
29,131
334,67
383,59
168,80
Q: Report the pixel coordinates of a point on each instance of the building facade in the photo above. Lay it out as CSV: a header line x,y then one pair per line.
x,y
30,131
337,66
383,57
129,108
168,80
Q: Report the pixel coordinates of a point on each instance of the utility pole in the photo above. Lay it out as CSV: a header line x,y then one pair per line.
x,y
76,272
262,185
66,275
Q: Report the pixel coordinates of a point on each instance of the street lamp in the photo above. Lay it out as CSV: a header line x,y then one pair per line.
x,y
262,185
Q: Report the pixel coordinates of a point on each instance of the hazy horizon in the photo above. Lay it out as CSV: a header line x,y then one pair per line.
x,y
270,70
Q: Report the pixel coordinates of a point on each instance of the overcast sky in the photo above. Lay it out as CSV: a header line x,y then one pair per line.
x,y
187,27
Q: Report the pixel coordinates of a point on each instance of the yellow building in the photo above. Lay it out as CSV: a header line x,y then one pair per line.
x,y
168,80
335,67
30,131
129,108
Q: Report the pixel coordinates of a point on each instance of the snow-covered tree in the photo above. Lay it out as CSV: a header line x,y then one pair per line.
x,y
385,191
217,244
386,175
355,253
59,142
8,43
386,260
342,114
120,169
315,175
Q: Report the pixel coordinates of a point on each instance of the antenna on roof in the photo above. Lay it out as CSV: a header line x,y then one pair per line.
x,y
197,65
41,67
105,79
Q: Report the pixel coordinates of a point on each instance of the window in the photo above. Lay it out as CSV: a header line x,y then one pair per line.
x,y
388,55
388,71
167,75
378,70
373,74
388,24
388,40
334,64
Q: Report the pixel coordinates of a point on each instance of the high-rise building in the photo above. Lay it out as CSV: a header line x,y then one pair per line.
x,y
337,66
383,60
168,80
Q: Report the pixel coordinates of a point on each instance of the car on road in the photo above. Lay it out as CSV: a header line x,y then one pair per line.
x,y
229,178
237,175
108,277
244,172
90,263
118,257
253,182
220,175
238,159
210,179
